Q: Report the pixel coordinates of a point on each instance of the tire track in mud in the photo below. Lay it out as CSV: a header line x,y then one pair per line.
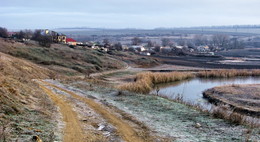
x,y
123,128
73,131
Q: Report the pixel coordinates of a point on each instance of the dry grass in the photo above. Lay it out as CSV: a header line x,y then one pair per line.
x,y
243,98
20,98
146,81
228,73
225,112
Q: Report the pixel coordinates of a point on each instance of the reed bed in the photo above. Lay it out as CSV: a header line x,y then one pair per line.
x,y
225,112
227,73
146,81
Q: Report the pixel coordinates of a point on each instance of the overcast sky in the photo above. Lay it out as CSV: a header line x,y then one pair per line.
x,y
33,14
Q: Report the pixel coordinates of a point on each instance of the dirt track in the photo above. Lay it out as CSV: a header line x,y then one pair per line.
x,y
72,131
74,134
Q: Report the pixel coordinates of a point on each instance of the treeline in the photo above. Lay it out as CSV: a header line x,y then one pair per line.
x,y
24,35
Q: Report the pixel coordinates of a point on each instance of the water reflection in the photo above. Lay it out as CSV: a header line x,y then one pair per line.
x,y
191,90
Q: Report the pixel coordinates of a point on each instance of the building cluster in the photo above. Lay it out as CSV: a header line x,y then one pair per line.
x,y
59,37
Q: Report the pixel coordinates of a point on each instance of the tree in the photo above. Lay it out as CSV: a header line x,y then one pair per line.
x,y
150,43
220,40
136,41
236,44
166,42
45,41
36,35
106,41
118,46
200,40
3,32
28,34
157,48
20,35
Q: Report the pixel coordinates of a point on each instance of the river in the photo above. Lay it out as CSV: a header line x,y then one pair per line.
x,y
191,90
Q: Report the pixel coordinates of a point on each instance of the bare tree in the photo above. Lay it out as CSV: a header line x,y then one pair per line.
x,y
150,43
28,34
45,41
136,41
118,46
36,35
200,40
157,48
165,42
3,32
106,41
236,44
20,35
220,40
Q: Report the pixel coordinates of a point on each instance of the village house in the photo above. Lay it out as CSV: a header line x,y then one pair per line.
x,y
145,53
203,49
56,37
138,48
71,41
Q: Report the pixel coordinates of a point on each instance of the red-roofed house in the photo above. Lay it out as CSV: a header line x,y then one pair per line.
x,y
71,41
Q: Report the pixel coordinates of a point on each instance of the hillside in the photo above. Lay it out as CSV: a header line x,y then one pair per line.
x,y
72,61
24,109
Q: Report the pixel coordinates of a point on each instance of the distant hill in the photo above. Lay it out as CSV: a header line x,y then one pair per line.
x,y
232,30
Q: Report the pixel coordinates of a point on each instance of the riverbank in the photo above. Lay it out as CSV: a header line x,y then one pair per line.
x,y
242,98
167,118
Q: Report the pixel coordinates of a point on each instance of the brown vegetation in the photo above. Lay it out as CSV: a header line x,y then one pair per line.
x,y
244,98
20,99
145,81
228,73
225,112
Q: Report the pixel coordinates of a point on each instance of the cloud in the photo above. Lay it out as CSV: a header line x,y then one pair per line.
x,y
128,13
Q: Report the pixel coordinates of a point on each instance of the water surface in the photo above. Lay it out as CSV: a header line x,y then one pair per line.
x,y
191,90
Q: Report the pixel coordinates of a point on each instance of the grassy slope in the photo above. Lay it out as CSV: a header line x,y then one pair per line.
x,y
61,58
71,61
23,106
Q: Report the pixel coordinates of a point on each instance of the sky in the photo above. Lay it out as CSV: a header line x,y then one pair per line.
x,y
146,14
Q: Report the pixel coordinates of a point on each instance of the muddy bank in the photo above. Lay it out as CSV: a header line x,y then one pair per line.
x,y
243,99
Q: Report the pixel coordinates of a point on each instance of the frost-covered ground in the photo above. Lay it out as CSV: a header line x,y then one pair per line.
x,y
168,118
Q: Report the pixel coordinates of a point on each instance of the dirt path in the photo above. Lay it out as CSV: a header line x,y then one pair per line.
x,y
72,131
126,67
123,128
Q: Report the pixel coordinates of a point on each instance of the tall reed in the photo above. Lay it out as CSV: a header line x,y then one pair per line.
x,y
228,73
146,81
